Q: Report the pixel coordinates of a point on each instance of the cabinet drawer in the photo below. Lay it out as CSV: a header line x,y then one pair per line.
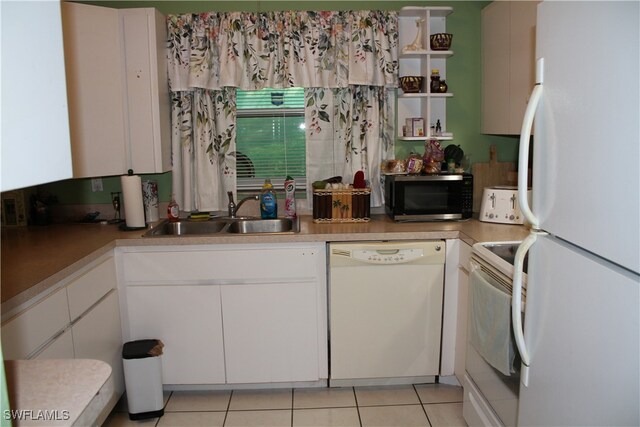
x,y
219,266
23,334
60,348
87,289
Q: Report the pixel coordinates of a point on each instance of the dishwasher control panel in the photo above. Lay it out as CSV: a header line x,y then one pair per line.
x,y
388,253
387,256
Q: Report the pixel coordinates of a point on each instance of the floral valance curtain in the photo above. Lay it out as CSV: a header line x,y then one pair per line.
x,y
252,51
211,54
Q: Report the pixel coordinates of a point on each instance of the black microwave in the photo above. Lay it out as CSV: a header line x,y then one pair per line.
x,y
429,197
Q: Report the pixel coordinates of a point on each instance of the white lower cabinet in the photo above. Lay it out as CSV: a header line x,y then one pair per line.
x,y
60,348
81,319
97,335
188,320
463,298
270,332
230,314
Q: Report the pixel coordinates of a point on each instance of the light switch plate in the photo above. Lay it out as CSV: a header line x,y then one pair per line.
x,y
96,184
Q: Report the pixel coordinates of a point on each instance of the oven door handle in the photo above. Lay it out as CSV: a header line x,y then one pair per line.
x,y
516,304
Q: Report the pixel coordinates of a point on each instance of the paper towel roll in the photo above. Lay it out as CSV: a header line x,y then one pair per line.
x,y
133,206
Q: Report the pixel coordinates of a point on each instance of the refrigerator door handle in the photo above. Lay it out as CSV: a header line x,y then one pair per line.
x,y
516,304
525,138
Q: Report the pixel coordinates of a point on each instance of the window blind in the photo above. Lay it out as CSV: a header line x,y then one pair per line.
x,y
270,137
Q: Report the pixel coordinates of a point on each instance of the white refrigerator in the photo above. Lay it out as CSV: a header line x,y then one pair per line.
x,y
581,342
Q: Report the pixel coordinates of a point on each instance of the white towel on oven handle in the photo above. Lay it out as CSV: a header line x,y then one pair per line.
x,y
490,322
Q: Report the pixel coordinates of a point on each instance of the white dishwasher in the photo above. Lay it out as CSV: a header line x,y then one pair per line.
x,y
385,312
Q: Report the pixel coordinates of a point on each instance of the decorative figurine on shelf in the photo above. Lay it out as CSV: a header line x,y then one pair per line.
x,y
417,43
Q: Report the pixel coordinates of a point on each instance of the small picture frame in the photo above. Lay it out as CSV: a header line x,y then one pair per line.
x,y
14,213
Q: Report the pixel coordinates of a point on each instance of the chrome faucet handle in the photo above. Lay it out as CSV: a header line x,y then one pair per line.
x,y
233,207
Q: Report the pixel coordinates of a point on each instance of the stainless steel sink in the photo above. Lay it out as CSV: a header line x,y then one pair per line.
x,y
250,226
186,227
243,225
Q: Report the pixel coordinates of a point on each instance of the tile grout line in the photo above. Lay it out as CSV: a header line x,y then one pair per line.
x,y
164,409
355,397
422,405
226,413
293,390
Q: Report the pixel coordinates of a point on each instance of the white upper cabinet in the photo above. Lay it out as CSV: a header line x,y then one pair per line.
x,y
95,87
35,125
147,99
508,64
118,90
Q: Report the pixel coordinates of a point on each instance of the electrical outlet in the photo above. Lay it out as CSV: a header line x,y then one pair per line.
x,y
96,184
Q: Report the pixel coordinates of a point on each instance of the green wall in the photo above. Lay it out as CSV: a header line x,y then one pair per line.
x,y
78,191
463,77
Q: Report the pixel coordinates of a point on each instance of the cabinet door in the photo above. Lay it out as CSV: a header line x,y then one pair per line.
x,y
463,298
270,332
95,88
495,67
522,53
508,64
188,320
144,32
98,335
59,348
35,126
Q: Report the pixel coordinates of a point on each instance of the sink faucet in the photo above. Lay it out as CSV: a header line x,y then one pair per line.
x,y
233,208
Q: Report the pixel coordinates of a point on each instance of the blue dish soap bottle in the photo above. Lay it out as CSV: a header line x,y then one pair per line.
x,y
268,201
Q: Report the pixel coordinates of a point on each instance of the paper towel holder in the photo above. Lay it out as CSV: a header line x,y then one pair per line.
x,y
117,206
123,226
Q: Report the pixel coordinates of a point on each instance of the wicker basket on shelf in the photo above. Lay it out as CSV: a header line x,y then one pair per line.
x,y
411,84
441,41
336,206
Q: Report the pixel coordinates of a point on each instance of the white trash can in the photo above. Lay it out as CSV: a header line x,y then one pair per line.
x,y
142,362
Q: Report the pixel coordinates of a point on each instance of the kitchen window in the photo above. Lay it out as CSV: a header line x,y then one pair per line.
x,y
270,137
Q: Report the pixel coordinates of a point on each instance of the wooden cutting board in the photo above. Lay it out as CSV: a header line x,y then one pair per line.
x,y
490,174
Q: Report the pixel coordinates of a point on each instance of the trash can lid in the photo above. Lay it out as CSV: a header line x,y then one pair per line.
x,y
141,349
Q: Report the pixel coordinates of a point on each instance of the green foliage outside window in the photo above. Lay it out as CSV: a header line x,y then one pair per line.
x,y
270,136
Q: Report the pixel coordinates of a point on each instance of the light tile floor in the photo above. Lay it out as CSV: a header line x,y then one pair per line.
x,y
413,405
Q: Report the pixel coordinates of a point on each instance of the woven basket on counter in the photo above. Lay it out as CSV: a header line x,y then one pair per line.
x,y
350,205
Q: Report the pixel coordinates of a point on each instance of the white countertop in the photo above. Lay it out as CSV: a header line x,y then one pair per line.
x,y
58,392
